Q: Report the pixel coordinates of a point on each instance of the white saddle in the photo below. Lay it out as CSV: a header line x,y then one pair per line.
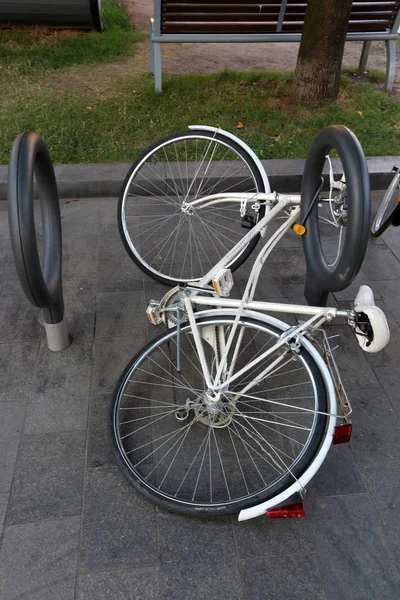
x,y
375,318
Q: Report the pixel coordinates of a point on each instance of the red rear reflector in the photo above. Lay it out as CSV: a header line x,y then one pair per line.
x,y
342,433
288,511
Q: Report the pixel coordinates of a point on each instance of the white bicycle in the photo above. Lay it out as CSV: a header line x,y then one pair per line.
x,y
231,410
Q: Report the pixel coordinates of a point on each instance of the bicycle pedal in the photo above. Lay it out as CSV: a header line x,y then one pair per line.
x,y
248,222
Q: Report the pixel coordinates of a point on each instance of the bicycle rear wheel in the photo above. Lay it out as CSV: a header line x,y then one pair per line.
x,y
200,457
169,243
389,205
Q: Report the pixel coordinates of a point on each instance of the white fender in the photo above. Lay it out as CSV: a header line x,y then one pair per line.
x,y
365,303
245,147
299,484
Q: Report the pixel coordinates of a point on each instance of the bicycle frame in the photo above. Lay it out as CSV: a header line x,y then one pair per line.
x,y
192,294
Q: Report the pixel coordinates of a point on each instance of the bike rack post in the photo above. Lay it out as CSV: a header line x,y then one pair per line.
x,y
42,285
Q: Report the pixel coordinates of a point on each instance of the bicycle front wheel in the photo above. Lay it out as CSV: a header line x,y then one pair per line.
x,y
173,244
196,454
389,204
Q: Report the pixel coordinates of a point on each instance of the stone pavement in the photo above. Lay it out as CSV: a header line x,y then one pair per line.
x,y
74,528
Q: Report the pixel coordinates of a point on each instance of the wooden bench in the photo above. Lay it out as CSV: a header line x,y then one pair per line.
x,y
185,21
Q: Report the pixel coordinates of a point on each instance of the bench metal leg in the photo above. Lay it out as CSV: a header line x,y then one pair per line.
x,y
156,66
151,57
364,56
151,29
391,64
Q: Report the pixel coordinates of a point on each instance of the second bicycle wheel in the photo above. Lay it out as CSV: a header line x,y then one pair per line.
x,y
337,227
167,242
195,453
389,206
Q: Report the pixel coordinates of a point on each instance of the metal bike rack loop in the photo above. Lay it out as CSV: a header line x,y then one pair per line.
x,y
42,285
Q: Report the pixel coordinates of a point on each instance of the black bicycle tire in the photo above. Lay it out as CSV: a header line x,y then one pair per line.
x,y
192,133
355,242
223,510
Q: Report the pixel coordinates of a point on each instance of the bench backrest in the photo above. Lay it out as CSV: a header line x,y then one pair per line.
x,y
265,16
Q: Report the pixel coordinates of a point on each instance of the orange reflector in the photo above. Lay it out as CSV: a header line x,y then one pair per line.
x,y
216,287
398,199
342,433
299,229
288,511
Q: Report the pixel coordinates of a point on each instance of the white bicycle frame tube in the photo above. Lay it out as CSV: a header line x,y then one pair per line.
x,y
282,202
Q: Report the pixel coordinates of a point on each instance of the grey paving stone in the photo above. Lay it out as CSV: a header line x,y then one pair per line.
x,y
17,369
61,389
376,425
118,274
351,549
290,265
118,525
380,263
354,367
19,320
99,452
80,216
392,240
141,583
383,482
389,378
269,285
120,315
338,474
11,422
3,507
116,271
108,211
194,535
111,355
80,296
351,291
80,273
153,290
48,478
121,332
80,254
200,579
38,560
292,577
262,537
6,258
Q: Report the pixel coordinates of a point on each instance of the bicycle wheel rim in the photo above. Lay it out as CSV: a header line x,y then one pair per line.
x,y
332,210
251,497
176,247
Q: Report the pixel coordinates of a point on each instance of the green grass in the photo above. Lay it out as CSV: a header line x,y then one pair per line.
x,y
29,51
90,128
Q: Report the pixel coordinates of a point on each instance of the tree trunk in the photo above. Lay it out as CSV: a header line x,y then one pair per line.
x,y
317,76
